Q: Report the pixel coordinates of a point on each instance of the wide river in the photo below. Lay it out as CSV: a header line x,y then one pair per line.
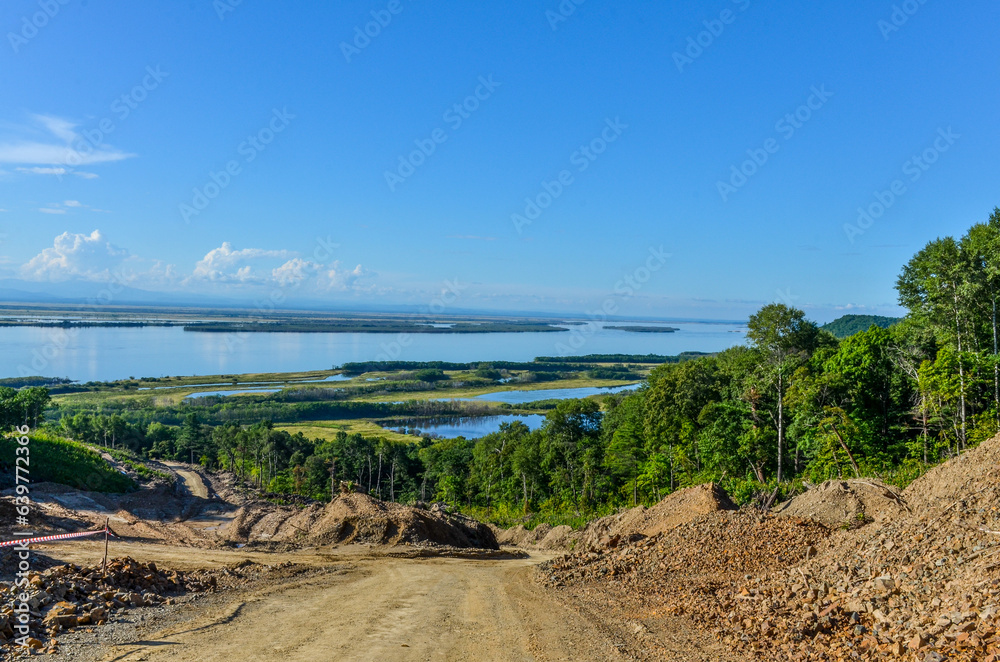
x,y
105,354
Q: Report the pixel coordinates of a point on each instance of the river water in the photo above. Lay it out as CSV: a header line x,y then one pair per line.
x,y
106,353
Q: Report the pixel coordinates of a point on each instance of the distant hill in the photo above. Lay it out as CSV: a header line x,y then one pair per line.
x,y
848,325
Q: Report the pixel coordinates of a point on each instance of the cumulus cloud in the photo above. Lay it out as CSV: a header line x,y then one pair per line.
x,y
255,266
339,278
295,271
87,257
94,258
224,264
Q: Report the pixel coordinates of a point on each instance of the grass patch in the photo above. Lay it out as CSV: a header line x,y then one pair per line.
x,y
328,430
131,461
57,460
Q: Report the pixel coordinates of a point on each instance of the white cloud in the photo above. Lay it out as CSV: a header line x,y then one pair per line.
x,y
339,278
294,271
223,264
62,207
94,258
42,171
54,141
87,257
85,175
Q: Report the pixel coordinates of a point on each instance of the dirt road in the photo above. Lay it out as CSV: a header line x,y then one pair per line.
x,y
193,483
391,609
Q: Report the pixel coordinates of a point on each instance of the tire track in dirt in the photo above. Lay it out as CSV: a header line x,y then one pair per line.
x,y
391,609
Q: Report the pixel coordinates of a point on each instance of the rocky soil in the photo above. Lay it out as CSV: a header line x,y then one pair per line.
x,y
68,596
679,508
357,518
917,577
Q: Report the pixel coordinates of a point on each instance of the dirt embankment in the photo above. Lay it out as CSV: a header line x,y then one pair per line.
x,y
357,518
678,508
910,576
846,503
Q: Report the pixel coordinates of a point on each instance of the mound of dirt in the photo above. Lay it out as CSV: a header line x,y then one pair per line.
x,y
678,508
914,584
558,537
673,510
357,518
520,536
850,502
68,596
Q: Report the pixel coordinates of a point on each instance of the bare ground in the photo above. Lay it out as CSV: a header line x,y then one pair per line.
x,y
347,602
361,604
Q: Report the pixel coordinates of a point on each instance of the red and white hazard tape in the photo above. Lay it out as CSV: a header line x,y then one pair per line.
x,y
61,536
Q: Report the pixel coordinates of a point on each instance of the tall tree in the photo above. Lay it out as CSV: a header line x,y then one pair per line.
x,y
982,246
934,285
785,339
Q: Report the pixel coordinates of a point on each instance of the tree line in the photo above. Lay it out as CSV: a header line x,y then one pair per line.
x,y
793,403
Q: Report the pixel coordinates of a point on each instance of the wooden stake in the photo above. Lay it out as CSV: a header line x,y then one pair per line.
x,y
107,522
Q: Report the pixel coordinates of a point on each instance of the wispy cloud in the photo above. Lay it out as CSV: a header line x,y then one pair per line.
x,y
54,141
66,205
42,171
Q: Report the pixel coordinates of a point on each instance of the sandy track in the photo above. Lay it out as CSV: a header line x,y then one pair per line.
x,y
391,609
193,483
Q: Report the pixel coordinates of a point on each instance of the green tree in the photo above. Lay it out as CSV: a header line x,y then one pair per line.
x,y
936,288
785,339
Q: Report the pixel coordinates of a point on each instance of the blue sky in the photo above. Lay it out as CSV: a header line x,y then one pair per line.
x,y
312,214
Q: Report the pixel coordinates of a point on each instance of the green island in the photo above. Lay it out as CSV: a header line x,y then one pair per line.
x,y
644,329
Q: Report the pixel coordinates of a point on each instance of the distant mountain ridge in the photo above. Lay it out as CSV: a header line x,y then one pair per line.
x,y
848,325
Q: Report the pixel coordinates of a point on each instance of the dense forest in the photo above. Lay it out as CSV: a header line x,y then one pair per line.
x,y
848,325
794,403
